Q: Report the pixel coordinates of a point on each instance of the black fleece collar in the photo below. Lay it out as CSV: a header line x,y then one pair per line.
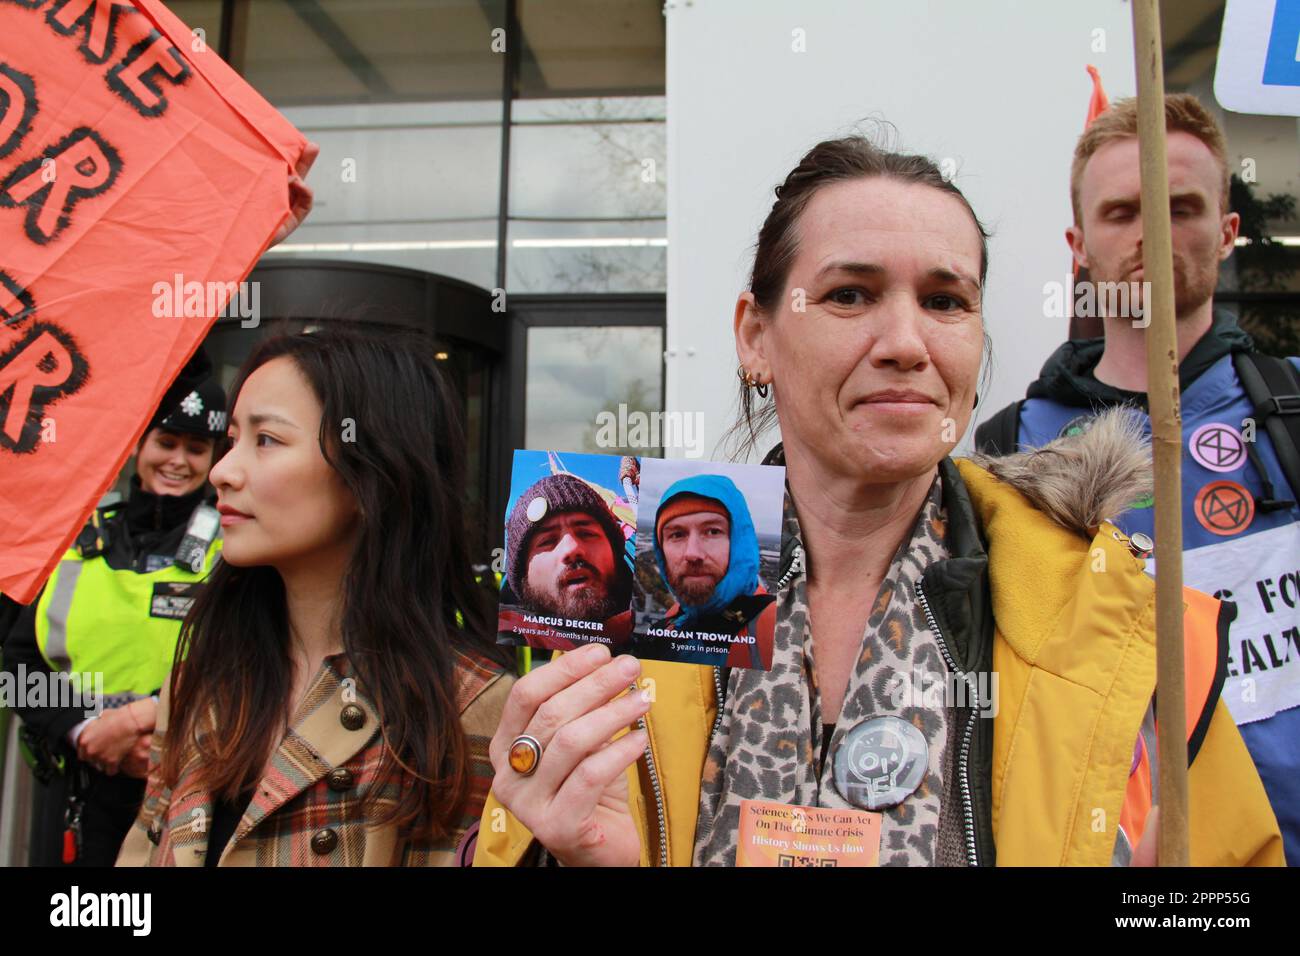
x,y
1069,374
147,512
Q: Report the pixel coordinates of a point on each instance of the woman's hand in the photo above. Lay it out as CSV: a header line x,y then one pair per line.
x,y
136,763
108,739
575,803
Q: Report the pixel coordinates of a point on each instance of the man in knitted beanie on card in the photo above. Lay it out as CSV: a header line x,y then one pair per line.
x,y
566,562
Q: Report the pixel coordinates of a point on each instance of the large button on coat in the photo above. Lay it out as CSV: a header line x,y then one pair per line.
x,y
324,841
340,779
352,717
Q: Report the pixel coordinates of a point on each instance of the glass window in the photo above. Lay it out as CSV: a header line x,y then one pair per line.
x,y
590,47
405,99
202,15
414,185
588,196
609,256
349,51
1273,322
1189,31
1261,280
467,368
574,374
461,249
587,162
591,109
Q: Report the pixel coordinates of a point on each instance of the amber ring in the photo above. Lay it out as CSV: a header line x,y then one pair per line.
x,y
525,755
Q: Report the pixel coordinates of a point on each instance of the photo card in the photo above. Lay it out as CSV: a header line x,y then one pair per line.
x,y
570,536
673,560
708,556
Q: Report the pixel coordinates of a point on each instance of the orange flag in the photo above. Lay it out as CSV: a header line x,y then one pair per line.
x,y
1098,104
133,164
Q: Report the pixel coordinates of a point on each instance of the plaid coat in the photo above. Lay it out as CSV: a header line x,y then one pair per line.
x,y
306,809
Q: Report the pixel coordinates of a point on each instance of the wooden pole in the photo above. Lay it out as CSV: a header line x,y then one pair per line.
x,y
1166,435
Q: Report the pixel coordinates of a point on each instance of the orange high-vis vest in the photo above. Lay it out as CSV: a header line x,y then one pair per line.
x,y
1205,633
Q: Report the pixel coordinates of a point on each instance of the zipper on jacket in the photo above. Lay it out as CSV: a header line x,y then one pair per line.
x,y
718,696
963,758
658,793
796,565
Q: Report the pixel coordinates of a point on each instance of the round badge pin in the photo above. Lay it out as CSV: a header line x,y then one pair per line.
x,y
1217,447
880,763
536,509
1141,544
1224,508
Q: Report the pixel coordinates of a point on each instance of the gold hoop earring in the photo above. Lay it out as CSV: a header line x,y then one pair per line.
x,y
751,382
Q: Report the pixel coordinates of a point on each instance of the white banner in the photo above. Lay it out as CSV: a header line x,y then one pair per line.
x,y
1260,573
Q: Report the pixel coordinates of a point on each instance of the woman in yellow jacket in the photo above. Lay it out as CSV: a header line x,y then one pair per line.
x,y
1000,582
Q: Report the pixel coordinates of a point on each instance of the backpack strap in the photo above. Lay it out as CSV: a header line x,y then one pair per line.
x,y
1273,387
1000,435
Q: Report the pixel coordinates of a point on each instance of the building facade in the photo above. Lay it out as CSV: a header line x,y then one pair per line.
x,y
492,172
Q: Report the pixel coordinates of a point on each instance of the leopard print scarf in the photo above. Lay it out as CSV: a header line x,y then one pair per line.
x,y
767,741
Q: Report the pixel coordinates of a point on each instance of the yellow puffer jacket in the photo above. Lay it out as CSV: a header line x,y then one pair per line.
x,y
1074,652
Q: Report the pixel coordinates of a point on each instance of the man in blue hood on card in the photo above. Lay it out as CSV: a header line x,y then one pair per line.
x,y
707,553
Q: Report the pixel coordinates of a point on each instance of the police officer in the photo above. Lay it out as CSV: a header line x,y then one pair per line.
x,y
113,607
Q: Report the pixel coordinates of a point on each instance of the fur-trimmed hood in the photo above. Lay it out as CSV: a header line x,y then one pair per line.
x,y
1086,478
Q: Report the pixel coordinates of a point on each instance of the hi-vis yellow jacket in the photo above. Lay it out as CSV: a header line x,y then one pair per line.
x,y
1074,652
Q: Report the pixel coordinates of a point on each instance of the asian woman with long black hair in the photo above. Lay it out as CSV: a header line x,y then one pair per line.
x,y
337,684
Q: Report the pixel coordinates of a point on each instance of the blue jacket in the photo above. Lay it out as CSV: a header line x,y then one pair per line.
x,y
1233,548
